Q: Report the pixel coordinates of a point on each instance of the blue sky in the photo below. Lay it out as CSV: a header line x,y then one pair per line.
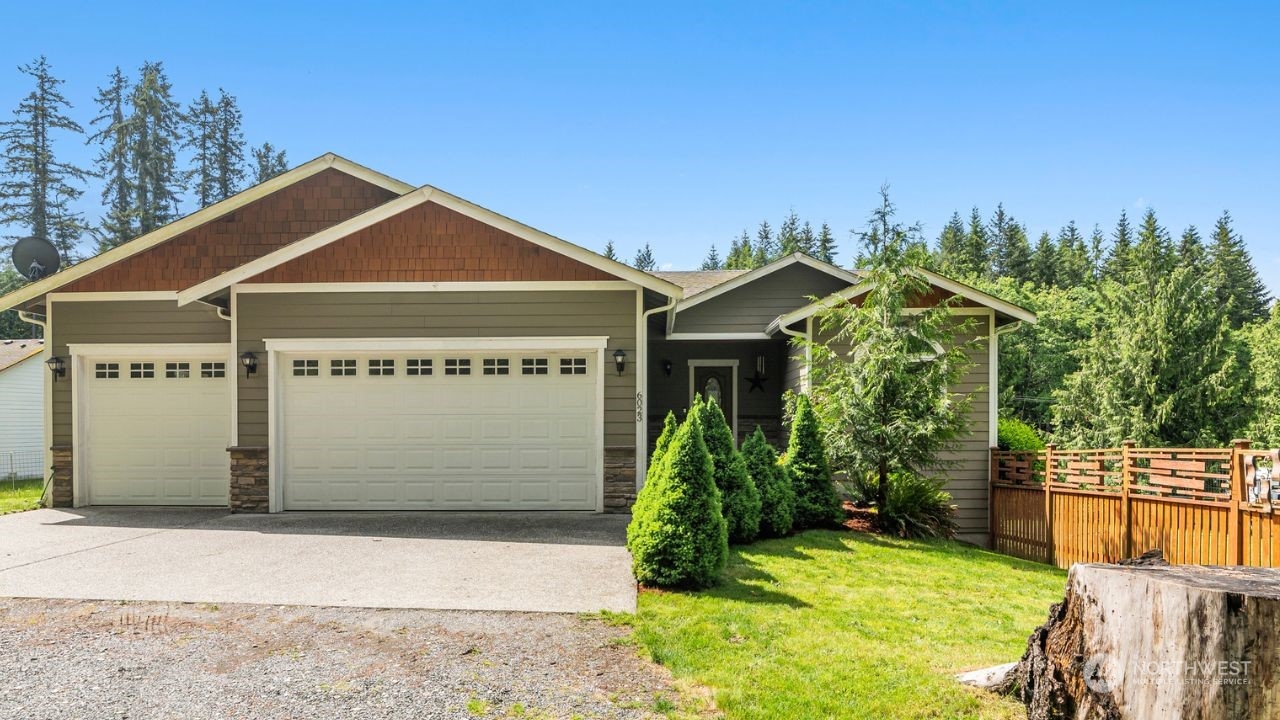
x,y
681,124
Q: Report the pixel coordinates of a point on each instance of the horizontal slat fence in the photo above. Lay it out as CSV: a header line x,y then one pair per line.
x,y
1201,506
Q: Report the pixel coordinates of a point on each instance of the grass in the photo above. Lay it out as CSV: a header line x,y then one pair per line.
x,y
850,625
20,495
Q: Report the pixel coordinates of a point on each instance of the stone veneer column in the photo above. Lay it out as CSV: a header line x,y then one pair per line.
x,y
63,497
249,472
619,479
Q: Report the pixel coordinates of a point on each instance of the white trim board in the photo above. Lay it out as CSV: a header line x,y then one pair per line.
x,y
250,288
171,295
697,363
390,209
756,274
149,350
719,336
295,345
198,218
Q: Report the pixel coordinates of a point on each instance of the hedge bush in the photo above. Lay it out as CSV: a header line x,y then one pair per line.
x,y
916,507
817,504
677,536
738,492
1017,435
777,497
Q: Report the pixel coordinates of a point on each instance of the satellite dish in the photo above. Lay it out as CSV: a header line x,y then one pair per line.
x,y
35,258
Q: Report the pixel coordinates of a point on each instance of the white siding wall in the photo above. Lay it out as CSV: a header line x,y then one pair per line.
x,y
22,413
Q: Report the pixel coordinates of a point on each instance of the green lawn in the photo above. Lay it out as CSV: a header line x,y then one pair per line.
x,y
19,496
849,625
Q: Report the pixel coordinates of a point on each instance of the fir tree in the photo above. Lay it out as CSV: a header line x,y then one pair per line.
x,y
1044,262
114,163
1191,249
610,252
807,240
974,259
229,147
156,125
36,190
644,259
883,235
999,229
789,235
1013,250
951,247
1116,266
765,248
1265,370
741,254
1073,267
1152,257
712,261
825,250
1234,279
1097,241
268,162
201,140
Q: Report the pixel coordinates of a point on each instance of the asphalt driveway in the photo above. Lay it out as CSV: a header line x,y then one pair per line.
x,y
534,562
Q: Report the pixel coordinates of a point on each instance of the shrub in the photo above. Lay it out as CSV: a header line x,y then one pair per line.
x,y
677,536
1017,435
916,506
777,498
669,426
738,492
817,504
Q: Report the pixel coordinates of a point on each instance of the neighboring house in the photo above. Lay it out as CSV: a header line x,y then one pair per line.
x,y
334,339
21,408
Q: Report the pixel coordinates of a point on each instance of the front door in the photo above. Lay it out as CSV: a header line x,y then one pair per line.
x,y
716,382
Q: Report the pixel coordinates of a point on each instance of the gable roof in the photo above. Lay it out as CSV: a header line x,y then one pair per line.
x,y
425,194
696,281
737,281
13,352
198,218
1009,310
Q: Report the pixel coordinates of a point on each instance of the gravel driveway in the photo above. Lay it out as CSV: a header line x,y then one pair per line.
x,y
81,659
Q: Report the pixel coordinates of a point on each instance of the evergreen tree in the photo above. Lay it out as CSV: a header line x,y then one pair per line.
x,y
712,261
12,326
1073,267
741,254
765,248
884,235
268,162
1097,241
1044,262
1153,255
36,189
1233,277
156,125
817,504
1265,370
114,163
610,252
1191,249
777,497
669,427
201,139
229,147
807,240
739,496
825,250
975,258
950,252
644,259
1116,266
1012,256
789,235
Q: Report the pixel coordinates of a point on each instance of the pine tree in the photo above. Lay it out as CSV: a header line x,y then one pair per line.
x,y
1096,253
1152,257
114,163
1073,267
712,261
201,123
1012,251
156,125
807,240
977,247
741,254
36,190
1191,249
766,250
1044,262
950,252
229,147
825,250
268,162
610,252
739,496
789,235
644,259
1233,277
1116,266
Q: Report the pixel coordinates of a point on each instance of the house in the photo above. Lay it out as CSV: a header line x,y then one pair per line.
x,y
335,339
21,409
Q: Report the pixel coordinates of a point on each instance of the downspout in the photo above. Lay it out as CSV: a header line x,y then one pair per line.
x,y
47,420
808,353
642,402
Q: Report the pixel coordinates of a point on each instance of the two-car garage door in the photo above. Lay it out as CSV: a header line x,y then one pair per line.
x,y
439,430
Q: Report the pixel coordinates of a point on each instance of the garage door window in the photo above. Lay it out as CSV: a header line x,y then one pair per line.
x,y
457,366
306,368
533,366
106,371
497,366
177,370
140,371
573,366
417,366
340,368
382,367
213,370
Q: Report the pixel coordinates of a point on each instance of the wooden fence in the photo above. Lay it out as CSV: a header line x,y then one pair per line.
x,y
1201,506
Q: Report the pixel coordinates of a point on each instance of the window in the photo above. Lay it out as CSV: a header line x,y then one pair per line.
x,y
306,368
573,366
417,366
106,371
497,366
382,367
140,370
533,366
177,370
340,368
213,370
457,366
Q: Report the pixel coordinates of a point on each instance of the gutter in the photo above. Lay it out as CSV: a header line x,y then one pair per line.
x,y
642,394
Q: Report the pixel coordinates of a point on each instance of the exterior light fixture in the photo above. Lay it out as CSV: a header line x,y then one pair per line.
x,y
666,367
620,360
250,363
57,366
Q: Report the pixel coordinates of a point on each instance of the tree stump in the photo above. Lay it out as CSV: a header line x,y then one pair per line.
x,y
1150,641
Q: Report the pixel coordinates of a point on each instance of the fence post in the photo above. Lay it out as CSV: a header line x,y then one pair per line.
x,y
992,475
1235,531
1126,517
1048,503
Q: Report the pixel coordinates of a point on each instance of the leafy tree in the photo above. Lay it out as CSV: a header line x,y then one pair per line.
x,y
644,259
777,497
268,162
739,496
789,235
712,261
609,251
677,535
1116,266
825,249
1234,279
36,189
1074,268
1265,369
817,504
1044,262
156,134
114,163
883,379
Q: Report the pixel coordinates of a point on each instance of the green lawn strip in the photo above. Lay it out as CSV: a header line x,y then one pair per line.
x,y
20,495
848,625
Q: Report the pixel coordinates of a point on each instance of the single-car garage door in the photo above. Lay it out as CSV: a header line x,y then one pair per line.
x,y
154,430
437,431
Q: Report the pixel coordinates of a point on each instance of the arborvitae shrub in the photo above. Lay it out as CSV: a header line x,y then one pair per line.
x,y
677,536
777,498
669,426
817,504
738,492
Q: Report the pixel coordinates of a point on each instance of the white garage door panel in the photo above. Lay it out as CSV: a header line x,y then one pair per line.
x,y
154,440
440,441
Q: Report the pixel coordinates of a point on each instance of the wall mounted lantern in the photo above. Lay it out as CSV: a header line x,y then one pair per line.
x,y
666,367
57,366
620,360
250,363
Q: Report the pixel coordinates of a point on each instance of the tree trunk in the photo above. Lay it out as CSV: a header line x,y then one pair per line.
x,y
1148,641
